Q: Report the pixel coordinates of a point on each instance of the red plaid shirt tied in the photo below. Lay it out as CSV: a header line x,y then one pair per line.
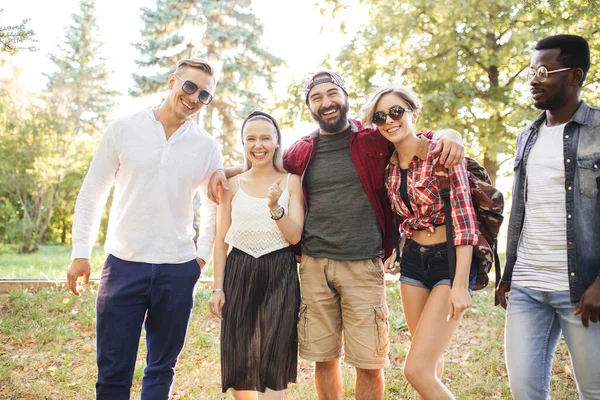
x,y
426,201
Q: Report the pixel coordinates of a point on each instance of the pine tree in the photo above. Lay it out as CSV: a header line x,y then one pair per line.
x,y
81,76
16,37
233,34
40,145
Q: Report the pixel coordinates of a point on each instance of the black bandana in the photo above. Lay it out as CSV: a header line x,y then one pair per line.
x,y
330,77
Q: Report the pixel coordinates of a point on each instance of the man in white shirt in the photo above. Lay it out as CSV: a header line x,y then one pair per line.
x,y
157,159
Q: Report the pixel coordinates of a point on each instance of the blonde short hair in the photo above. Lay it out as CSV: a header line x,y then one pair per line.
x,y
197,63
402,92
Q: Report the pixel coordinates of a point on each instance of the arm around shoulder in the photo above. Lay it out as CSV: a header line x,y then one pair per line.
x,y
223,224
217,300
449,148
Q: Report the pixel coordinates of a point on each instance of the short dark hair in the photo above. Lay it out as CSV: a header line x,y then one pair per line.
x,y
574,51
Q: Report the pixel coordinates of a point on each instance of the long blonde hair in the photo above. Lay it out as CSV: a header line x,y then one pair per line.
x,y
402,92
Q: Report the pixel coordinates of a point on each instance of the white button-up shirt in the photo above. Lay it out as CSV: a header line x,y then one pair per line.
x,y
155,181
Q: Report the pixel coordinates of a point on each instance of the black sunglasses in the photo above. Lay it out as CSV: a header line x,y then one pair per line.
x,y
190,87
396,113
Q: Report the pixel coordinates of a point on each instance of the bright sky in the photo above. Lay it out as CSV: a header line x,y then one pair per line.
x,y
292,31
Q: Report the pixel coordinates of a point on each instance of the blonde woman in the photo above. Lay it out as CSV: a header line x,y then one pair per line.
x,y
433,305
256,290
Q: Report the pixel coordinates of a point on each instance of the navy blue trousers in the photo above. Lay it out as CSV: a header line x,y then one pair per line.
x,y
130,293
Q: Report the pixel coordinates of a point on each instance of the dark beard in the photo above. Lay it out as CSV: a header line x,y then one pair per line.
x,y
555,102
336,126
552,104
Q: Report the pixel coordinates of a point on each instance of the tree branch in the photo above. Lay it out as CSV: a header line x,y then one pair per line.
x,y
474,57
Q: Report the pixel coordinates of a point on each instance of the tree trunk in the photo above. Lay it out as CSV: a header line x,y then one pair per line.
x,y
491,166
63,230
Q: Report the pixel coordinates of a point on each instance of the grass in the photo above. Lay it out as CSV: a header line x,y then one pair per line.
x,y
50,262
47,351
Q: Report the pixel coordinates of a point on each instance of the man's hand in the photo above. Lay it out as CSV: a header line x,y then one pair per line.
x,y
589,304
79,275
217,179
201,262
391,266
502,293
449,147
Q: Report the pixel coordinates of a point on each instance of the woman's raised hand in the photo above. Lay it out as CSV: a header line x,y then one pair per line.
x,y
273,194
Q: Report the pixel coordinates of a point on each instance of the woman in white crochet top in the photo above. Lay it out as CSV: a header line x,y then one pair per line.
x,y
256,292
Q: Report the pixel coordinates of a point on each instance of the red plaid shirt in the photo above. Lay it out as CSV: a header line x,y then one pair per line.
x,y
426,201
370,152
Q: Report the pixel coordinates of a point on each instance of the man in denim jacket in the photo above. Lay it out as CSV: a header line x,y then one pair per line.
x,y
553,254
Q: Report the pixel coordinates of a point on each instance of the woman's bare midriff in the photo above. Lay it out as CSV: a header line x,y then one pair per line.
x,y
427,238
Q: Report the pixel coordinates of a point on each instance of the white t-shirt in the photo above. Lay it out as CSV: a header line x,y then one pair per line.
x,y
155,181
542,252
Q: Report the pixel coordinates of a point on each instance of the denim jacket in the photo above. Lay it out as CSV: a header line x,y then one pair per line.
x,y
581,148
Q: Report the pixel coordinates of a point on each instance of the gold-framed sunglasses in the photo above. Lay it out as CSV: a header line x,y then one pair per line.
x,y
542,73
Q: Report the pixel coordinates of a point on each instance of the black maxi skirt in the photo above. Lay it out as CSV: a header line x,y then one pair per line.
x,y
259,337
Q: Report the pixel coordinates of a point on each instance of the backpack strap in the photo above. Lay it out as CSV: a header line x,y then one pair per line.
x,y
497,273
396,237
443,181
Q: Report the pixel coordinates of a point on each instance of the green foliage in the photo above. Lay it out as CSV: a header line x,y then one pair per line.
x,y
81,76
16,37
232,35
466,60
59,229
10,216
36,152
46,144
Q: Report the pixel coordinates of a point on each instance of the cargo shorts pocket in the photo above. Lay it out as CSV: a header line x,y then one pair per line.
x,y
303,327
381,323
375,268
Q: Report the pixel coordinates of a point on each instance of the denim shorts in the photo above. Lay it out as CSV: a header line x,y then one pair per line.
x,y
427,266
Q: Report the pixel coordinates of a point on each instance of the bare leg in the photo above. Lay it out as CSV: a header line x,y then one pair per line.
x,y
369,384
244,394
414,299
429,342
272,395
328,379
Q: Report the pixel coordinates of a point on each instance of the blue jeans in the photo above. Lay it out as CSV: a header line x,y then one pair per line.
x,y
534,321
129,293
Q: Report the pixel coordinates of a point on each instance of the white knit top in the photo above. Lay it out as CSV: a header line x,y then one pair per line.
x,y
252,230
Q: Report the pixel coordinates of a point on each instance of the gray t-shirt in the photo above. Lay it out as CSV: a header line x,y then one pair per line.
x,y
341,223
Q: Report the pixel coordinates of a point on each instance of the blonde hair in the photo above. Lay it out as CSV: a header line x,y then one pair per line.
x,y
277,155
402,92
197,63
